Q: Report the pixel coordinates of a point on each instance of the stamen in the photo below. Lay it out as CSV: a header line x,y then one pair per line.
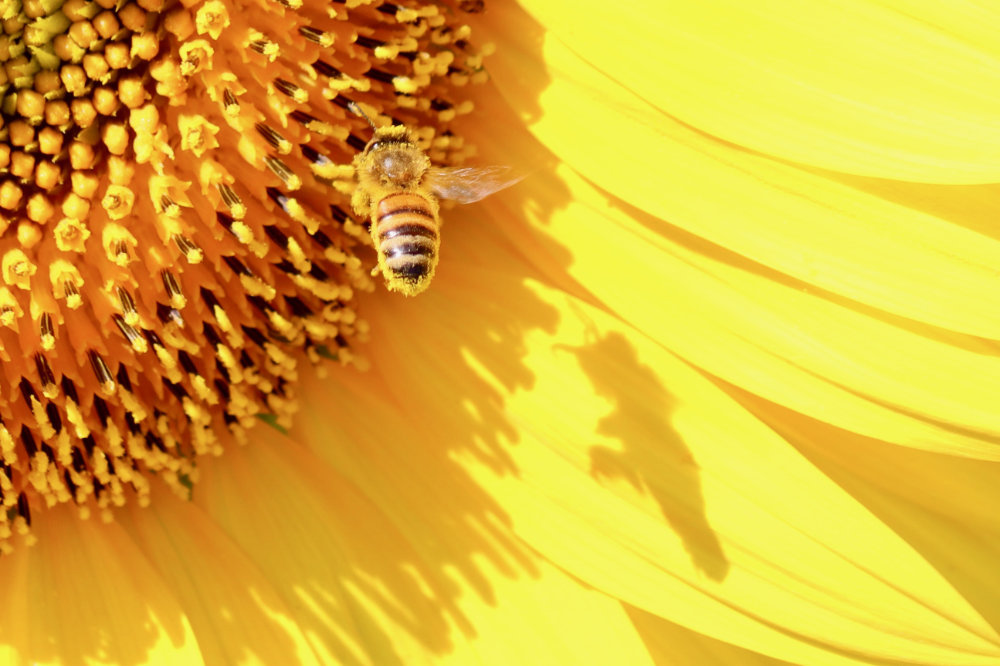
x,y
191,252
265,47
324,39
278,142
291,90
101,372
281,170
46,332
46,376
173,288
131,316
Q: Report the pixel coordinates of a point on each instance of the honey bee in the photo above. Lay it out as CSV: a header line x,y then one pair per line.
x,y
398,189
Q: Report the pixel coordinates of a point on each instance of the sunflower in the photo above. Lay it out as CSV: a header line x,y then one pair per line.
x,y
715,384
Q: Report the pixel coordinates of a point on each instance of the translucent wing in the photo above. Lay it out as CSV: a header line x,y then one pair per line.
x,y
469,184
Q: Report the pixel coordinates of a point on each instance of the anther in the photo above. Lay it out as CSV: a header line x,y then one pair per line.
x,y
278,142
369,43
230,103
46,331
52,412
356,143
135,339
22,508
101,372
119,252
167,314
123,378
189,249
168,206
278,197
317,126
69,388
327,70
45,375
276,235
233,201
289,89
266,48
187,364
379,75
127,303
173,288
282,171
236,266
315,36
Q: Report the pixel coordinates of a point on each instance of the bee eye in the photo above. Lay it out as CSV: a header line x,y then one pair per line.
x,y
374,145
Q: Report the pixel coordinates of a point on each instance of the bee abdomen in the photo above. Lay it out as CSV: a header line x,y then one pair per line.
x,y
404,208
420,230
411,271
408,248
407,237
410,256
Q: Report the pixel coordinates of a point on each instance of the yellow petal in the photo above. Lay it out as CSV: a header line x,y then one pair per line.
x,y
777,339
945,507
929,256
894,90
85,594
622,464
235,612
672,644
822,568
338,566
372,583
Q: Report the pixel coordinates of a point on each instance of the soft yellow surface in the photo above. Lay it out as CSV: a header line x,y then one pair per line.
x,y
237,613
752,529
861,239
85,595
823,357
672,644
369,581
670,401
859,302
900,89
636,472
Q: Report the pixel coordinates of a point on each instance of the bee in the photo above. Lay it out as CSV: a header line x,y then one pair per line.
x,y
398,190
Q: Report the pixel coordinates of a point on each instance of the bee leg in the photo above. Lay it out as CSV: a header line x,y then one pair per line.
x,y
361,202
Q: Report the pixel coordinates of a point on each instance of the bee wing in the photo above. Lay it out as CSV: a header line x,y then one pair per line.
x,y
469,184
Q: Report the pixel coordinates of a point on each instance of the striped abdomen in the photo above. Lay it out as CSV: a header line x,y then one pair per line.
x,y
404,228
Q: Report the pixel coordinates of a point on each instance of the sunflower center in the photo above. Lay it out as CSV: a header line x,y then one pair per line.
x,y
69,71
174,178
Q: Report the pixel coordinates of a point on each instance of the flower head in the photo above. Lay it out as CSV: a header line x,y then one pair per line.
x,y
715,385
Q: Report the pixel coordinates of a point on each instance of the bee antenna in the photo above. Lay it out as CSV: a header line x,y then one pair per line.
x,y
354,108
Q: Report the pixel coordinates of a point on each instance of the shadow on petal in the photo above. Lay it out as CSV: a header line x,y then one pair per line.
x,y
640,420
86,593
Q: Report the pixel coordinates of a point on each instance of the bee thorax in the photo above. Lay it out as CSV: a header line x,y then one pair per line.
x,y
401,167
